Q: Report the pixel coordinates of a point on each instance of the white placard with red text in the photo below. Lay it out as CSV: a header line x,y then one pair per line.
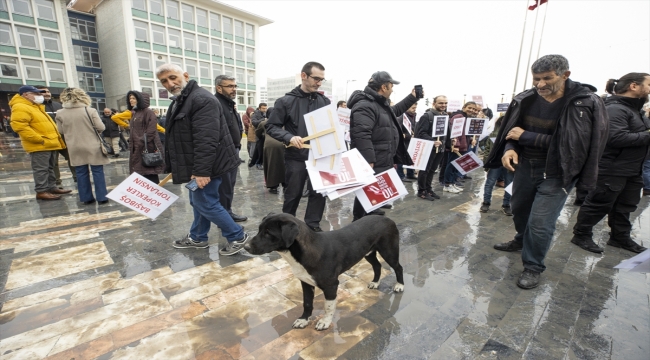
x,y
143,196
454,105
387,188
354,170
407,123
457,127
420,151
344,117
467,163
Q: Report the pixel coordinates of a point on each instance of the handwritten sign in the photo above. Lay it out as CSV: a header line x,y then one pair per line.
x,y
467,163
344,117
474,126
457,127
420,151
454,105
387,187
143,196
503,107
440,125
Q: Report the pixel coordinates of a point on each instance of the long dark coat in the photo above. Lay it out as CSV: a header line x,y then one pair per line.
x,y
273,159
143,121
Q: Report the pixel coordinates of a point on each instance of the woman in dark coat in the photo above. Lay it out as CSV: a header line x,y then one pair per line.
x,y
273,159
143,121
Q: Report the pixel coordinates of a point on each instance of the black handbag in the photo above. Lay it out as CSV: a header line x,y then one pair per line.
x,y
151,159
106,148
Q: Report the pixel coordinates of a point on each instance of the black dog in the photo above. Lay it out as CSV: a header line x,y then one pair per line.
x,y
318,258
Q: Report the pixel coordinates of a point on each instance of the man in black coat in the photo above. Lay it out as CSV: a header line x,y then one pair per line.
x,y
424,130
554,134
199,151
374,128
618,190
287,125
258,116
111,133
226,87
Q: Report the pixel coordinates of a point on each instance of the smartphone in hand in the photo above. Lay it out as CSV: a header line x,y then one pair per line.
x,y
192,185
418,92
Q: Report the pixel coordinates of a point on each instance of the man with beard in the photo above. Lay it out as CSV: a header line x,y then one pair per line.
x,y
424,130
407,120
618,190
553,136
226,87
199,150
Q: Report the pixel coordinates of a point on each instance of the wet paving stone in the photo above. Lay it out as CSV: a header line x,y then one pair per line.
x,y
106,284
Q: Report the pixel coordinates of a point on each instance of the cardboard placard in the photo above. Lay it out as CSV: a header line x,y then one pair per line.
x,y
330,164
407,123
503,107
322,119
344,117
478,99
474,126
387,188
467,163
457,127
440,125
420,151
454,105
143,196
354,170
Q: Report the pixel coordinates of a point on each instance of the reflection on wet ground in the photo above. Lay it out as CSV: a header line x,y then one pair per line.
x,y
103,282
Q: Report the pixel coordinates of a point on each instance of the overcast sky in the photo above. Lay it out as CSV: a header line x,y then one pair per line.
x,y
450,47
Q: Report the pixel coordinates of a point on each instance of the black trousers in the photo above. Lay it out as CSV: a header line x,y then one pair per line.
x,y
227,189
425,177
357,210
443,165
614,196
295,176
581,195
153,178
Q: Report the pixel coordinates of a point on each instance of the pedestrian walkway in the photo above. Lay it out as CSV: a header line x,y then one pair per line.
x,y
101,281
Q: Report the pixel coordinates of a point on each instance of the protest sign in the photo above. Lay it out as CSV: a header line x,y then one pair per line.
x,y
467,163
503,107
344,117
478,99
457,127
420,151
474,126
331,164
354,170
323,120
407,123
639,263
440,125
387,188
143,196
508,188
454,105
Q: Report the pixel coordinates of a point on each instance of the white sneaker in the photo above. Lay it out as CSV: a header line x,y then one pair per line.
x,y
456,187
450,188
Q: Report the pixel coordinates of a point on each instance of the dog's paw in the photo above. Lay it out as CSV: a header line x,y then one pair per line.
x,y
398,287
323,324
300,323
373,285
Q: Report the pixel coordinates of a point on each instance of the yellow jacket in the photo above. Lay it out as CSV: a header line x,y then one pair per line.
x,y
37,130
123,118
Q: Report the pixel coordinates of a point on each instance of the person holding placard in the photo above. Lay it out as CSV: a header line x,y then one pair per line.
x,y
433,127
552,137
375,129
493,176
287,125
408,126
459,146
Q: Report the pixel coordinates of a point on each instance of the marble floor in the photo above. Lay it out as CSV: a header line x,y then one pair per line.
x,y
103,282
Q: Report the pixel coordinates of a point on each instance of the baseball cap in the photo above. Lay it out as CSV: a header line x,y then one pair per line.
x,y
382,77
28,88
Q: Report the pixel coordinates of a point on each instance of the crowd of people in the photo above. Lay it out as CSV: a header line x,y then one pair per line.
x,y
555,136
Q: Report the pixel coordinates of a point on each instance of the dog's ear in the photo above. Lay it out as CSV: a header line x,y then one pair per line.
x,y
269,214
289,232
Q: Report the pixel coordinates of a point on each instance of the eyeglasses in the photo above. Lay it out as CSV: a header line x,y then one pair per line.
x,y
229,86
317,79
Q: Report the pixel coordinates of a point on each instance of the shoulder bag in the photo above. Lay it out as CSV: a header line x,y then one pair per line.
x,y
150,159
103,145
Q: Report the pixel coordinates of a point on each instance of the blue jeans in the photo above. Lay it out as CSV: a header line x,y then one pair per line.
x,y
208,209
536,204
492,177
410,173
646,174
83,183
451,174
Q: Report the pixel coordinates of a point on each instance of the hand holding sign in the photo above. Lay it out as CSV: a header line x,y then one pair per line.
x,y
457,127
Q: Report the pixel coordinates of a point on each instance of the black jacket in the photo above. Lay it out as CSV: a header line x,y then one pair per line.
x,y
198,141
258,117
288,112
112,129
375,130
629,138
232,118
579,138
424,127
51,108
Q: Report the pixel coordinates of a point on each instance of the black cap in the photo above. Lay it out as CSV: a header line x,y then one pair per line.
x,y
28,88
382,77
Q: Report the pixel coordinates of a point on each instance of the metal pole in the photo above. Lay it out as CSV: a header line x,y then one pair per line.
x,y
521,45
541,34
530,53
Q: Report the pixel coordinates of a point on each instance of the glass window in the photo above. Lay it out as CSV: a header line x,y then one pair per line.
x,y
82,29
204,70
3,6
239,52
227,50
250,32
160,59
91,82
98,104
156,7
251,98
229,70
240,76
141,31
144,61
204,46
34,69
158,34
174,37
188,13
56,71
190,67
177,61
172,10
202,18
147,87
215,22
162,92
45,10
22,7
9,66
27,37
240,97
216,70
51,41
188,39
216,47
250,55
239,28
139,4
86,56
6,37
227,25
251,77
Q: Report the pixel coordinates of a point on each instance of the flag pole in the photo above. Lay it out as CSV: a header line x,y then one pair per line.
x,y
541,34
530,53
514,89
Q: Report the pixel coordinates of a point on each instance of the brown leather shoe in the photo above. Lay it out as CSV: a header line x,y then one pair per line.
x,y
47,196
60,191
